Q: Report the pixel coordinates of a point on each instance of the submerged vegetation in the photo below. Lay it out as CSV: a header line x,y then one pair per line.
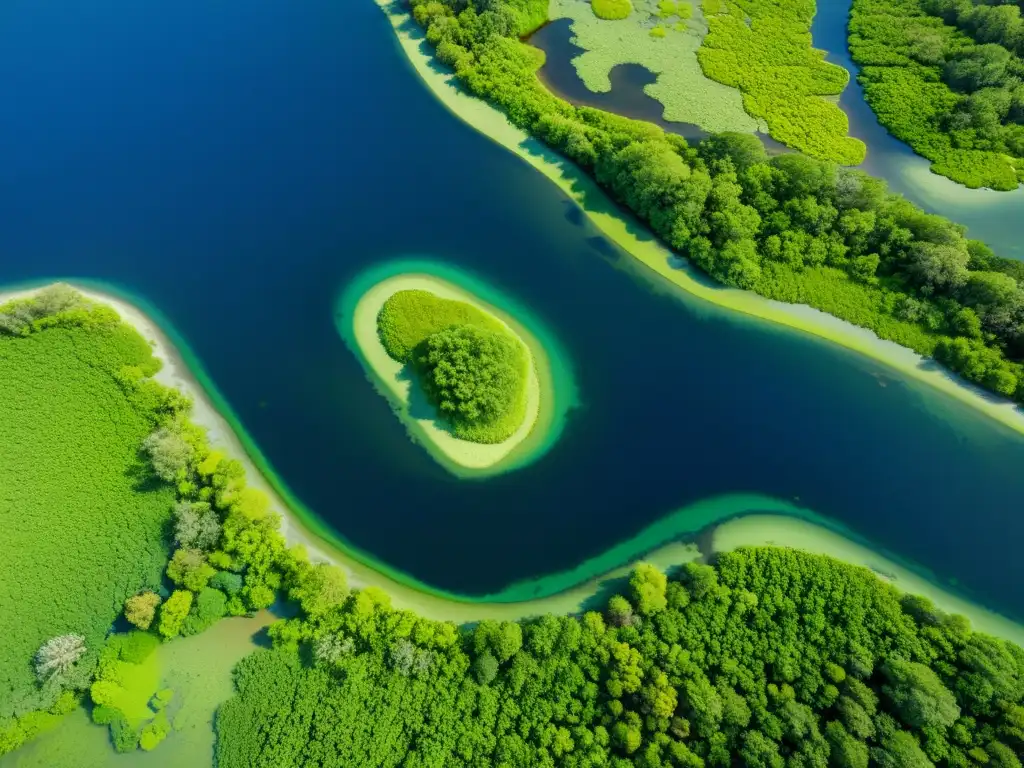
x,y
769,658
764,49
789,227
471,368
945,77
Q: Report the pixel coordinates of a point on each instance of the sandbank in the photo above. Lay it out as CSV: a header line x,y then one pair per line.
x,y
677,276
399,386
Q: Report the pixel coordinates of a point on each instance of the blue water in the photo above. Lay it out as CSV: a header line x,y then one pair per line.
x,y
236,164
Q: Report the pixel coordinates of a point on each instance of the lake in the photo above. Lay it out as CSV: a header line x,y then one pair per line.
x,y
990,216
237,166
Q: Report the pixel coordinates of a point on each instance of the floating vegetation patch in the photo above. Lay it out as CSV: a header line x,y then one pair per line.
x,y
664,38
765,50
612,9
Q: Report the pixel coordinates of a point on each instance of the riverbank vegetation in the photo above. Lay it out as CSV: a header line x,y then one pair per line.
x,y
788,227
685,92
945,77
82,521
469,365
768,658
764,49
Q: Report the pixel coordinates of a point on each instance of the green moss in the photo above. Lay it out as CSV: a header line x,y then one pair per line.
x,y
73,549
612,9
658,31
482,403
681,87
764,50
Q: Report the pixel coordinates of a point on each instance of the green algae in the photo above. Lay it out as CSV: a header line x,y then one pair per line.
x,y
687,95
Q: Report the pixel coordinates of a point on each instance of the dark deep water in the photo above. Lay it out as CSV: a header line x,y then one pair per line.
x,y
236,165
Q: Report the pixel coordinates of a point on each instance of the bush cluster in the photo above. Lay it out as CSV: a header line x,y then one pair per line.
x,y
472,370
769,658
940,80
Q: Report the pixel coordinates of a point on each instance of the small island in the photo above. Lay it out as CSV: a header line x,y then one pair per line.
x,y
471,383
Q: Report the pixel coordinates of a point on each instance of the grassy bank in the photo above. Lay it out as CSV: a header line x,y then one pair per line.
x,y
83,527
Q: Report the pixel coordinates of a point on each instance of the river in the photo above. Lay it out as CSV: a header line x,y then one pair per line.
x,y
990,216
236,170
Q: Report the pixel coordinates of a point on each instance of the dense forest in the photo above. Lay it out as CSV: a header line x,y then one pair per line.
x,y
945,76
788,227
769,658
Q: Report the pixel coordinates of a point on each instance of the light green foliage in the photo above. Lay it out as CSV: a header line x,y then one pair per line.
x,y
681,87
472,369
477,380
74,408
174,612
126,679
648,585
154,732
611,9
764,49
409,317
761,662
658,31
188,568
938,78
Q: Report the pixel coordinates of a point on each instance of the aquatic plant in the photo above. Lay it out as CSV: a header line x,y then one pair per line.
x,y
687,95
612,9
764,50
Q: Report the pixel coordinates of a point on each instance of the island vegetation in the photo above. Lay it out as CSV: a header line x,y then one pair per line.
x,y
473,370
767,657
662,37
788,227
945,77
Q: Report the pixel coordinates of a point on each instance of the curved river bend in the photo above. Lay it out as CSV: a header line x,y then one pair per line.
x,y
236,170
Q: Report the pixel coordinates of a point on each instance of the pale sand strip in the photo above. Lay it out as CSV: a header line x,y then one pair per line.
x,y
680,279
397,385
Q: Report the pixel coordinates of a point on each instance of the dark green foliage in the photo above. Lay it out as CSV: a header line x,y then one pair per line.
x,y
945,84
774,658
476,377
210,605
789,227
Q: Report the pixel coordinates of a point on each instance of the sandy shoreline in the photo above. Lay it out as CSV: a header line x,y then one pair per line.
x,y
398,387
746,530
680,279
